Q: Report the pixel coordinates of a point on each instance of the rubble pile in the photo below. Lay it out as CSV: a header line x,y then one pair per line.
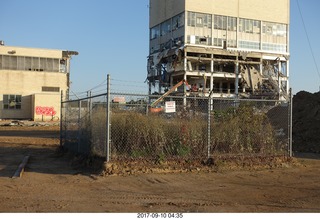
x,y
306,122
25,123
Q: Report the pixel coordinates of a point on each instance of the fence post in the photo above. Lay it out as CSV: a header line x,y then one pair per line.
x,y
209,127
290,122
107,149
79,127
89,104
61,107
210,107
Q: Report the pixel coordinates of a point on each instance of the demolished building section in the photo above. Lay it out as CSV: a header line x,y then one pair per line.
x,y
235,49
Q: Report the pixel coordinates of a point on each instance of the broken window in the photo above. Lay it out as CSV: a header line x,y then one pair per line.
x,y
178,21
155,32
220,22
11,101
232,24
63,65
274,29
165,27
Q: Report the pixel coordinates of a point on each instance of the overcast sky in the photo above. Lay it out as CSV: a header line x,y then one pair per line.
x,y
112,38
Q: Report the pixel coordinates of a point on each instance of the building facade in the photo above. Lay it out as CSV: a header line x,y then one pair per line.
x,y
32,81
228,48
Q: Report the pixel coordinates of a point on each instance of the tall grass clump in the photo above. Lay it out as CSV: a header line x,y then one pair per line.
x,y
242,130
136,135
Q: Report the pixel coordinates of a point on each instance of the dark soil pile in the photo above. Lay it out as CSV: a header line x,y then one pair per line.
x,y
306,122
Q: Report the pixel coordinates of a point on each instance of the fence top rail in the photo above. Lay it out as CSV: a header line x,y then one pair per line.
x,y
177,97
84,98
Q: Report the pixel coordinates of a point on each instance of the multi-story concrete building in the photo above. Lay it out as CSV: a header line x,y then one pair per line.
x,y
31,82
231,48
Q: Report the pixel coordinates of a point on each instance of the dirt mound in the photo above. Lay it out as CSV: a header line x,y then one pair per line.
x,y
214,164
306,122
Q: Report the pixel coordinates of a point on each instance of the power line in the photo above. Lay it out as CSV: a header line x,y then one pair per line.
x,y
305,30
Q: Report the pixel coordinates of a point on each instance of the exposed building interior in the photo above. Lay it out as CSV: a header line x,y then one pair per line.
x,y
227,56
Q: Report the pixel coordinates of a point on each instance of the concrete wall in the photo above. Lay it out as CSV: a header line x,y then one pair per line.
x,y
46,107
33,52
27,83
271,10
162,10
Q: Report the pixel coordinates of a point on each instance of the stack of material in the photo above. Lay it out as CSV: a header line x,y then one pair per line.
x,y
306,122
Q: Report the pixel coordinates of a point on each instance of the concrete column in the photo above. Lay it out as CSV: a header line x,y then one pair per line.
x,y
236,84
212,64
288,76
185,61
185,90
211,82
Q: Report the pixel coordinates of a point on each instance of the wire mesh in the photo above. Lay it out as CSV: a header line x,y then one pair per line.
x,y
177,128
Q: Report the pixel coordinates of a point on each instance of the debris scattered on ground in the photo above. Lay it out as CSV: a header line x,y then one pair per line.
x,y
26,123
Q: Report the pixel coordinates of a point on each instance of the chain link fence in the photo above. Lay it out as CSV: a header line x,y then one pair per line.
x,y
123,126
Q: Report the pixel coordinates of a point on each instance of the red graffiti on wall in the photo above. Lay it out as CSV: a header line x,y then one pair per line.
x,y
45,111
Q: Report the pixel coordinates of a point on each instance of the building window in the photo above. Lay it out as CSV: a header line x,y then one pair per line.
x,y
232,24
191,19
11,101
25,63
249,26
155,32
199,20
178,21
165,27
220,22
249,45
217,42
274,47
50,89
274,29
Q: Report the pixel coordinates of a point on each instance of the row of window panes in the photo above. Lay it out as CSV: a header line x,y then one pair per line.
x,y
199,20
169,44
249,26
166,27
230,24
265,46
220,23
32,64
274,29
249,45
11,101
208,40
274,47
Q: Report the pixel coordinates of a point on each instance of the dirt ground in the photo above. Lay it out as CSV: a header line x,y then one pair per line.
x,y
51,183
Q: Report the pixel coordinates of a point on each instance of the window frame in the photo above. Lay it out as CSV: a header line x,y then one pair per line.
x,y
12,102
